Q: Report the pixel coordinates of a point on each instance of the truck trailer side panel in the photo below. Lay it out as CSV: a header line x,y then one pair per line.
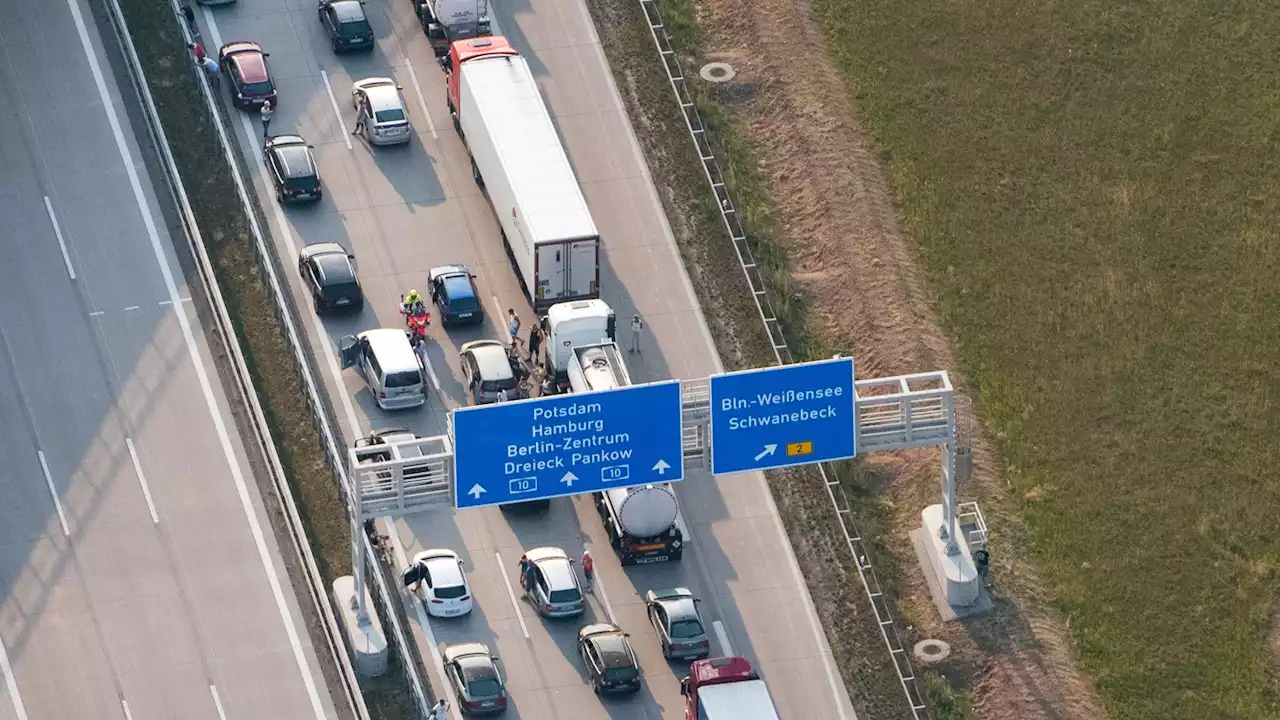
x,y
524,168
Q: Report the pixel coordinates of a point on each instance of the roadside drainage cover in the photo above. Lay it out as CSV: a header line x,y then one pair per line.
x,y
717,72
931,651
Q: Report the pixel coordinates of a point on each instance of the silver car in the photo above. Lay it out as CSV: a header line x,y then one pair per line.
x,y
487,370
674,615
556,591
387,122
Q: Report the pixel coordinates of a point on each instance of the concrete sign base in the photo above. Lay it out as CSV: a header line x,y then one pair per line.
x,y
953,580
367,641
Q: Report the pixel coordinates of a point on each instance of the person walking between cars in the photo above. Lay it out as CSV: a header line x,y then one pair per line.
x,y
588,568
535,344
266,114
440,711
513,324
530,578
362,120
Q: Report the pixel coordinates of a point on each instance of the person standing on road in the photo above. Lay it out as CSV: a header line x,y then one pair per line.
x,y
266,114
530,578
513,324
197,49
588,568
189,16
362,118
440,711
210,70
637,325
535,343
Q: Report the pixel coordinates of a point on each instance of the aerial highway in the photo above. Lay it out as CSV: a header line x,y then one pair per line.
x,y
402,210
139,576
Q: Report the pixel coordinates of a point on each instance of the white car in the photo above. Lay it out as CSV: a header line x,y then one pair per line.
x,y
444,586
387,121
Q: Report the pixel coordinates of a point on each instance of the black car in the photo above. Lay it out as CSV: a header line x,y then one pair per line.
x,y
329,274
611,663
454,292
292,168
473,672
346,24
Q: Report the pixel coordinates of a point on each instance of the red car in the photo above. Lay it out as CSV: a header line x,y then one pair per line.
x,y
245,65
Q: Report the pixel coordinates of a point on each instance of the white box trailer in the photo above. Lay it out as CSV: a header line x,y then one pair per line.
x,y
517,157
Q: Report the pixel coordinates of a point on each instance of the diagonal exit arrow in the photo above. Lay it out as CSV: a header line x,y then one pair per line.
x,y
476,491
568,479
768,450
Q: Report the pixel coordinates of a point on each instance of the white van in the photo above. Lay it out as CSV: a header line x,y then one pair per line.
x,y
390,366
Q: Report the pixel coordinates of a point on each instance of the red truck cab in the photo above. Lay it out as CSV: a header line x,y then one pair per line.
x,y
726,688
462,51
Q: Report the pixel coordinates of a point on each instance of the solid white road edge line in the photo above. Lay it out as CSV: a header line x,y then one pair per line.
x,y
422,99
511,594
57,232
333,100
146,491
130,166
12,683
725,648
597,585
217,702
838,691
57,504
424,622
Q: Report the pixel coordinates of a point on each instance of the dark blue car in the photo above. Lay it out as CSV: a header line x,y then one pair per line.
x,y
454,293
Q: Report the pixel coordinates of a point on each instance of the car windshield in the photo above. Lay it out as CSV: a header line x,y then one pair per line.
x,y
355,28
686,628
565,596
408,378
484,687
392,115
622,674
258,88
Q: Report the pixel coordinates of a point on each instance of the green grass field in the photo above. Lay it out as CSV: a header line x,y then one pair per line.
x,y
1095,190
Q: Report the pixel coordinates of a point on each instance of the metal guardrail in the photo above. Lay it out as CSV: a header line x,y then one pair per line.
x,y
305,364
335,642
781,352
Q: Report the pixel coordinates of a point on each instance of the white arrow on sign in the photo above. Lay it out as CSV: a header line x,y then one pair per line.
x,y
768,450
476,491
661,466
568,479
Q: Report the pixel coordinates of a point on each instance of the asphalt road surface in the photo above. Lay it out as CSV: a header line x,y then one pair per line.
x,y
403,210
138,574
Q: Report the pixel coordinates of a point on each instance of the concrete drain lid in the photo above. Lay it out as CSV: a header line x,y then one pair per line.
x,y
931,651
717,72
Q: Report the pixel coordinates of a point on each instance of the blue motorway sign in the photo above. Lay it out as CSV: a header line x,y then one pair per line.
x,y
780,416
567,444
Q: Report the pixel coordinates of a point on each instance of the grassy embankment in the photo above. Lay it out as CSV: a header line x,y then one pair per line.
x,y
1095,192
230,246
726,301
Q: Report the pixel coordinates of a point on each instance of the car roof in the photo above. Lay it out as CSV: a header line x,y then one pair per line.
x,y
443,270
555,567
249,60
348,10
382,92
296,159
334,269
444,567
392,347
385,434
461,650
459,287
491,359
613,649
678,606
